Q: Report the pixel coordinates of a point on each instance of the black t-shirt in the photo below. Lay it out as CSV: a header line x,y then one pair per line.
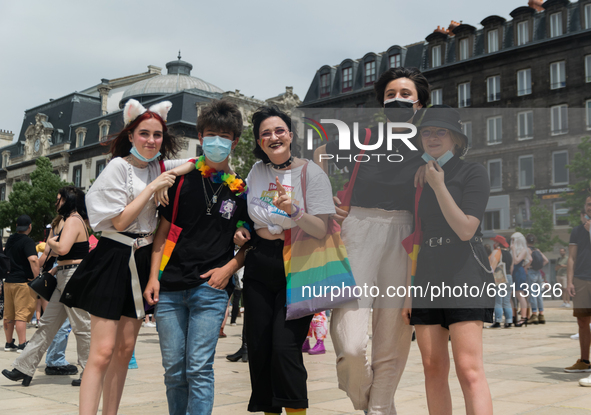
x,y
468,185
206,241
507,259
384,184
580,237
19,248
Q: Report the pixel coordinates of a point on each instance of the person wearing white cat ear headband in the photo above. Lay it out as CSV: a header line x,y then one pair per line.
x,y
109,282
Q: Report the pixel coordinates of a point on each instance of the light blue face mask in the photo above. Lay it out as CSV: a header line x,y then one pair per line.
x,y
441,160
216,148
137,154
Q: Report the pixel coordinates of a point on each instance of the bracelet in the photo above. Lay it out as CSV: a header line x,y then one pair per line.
x,y
297,210
244,224
300,215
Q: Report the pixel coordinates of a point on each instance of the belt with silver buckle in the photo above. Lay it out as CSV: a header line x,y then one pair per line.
x,y
62,267
446,240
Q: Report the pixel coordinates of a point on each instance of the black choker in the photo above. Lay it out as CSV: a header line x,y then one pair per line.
x,y
282,165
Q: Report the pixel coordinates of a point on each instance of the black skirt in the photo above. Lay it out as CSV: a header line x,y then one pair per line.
x,y
102,283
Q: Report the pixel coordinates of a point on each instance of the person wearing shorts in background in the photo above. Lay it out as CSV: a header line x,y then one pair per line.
x,y
561,265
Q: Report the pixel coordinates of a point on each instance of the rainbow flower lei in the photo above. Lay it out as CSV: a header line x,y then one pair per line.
x,y
236,184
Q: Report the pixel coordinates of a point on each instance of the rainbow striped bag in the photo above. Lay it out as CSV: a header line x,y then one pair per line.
x,y
173,233
318,272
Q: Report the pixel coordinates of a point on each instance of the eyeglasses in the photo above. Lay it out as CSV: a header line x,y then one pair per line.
x,y
439,133
279,132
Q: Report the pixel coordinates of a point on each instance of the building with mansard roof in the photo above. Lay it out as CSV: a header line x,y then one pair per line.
x,y
71,130
523,87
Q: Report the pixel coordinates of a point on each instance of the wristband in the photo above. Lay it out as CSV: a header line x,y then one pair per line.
x,y
300,215
244,224
297,210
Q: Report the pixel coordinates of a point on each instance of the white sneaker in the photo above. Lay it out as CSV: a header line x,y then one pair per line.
x,y
575,336
568,305
150,324
564,305
585,381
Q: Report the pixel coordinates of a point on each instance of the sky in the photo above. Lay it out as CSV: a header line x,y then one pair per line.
x,y
49,49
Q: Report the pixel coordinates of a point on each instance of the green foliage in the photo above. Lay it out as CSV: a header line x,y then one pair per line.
x,y
337,180
36,199
243,159
542,226
581,167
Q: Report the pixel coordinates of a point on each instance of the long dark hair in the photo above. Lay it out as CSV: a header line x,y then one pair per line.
x,y
74,202
121,146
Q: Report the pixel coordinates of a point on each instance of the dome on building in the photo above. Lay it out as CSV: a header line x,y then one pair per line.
x,y
178,79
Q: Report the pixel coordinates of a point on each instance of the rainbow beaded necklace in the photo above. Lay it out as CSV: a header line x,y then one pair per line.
x,y
236,184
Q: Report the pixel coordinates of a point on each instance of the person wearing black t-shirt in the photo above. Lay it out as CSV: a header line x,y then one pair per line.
x,y
451,208
379,219
578,273
192,290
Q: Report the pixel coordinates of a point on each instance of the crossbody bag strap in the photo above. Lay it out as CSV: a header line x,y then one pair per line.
x,y
303,181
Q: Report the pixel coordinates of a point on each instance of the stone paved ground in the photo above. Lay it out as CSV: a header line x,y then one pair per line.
x,y
523,366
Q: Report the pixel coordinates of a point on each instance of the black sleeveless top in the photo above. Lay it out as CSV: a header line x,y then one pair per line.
x,y
78,250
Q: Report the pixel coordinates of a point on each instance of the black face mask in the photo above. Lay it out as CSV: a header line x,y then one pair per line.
x,y
399,110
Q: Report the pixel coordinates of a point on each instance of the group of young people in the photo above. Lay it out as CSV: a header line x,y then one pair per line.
x,y
179,256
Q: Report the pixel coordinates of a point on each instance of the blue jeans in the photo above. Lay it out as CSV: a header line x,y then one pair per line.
x,y
56,353
189,323
503,303
536,300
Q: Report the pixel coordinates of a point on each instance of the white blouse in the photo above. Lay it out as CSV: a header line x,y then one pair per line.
x,y
116,187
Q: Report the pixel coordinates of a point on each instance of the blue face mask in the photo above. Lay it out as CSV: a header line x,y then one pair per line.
x,y
587,217
137,154
217,149
441,160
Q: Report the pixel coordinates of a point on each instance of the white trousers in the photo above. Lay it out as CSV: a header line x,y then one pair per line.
x,y
373,240
54,316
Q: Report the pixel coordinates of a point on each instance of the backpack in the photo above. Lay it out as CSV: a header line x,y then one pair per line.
x,y
537,260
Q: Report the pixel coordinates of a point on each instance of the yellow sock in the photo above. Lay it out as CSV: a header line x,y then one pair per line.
x,y
292,411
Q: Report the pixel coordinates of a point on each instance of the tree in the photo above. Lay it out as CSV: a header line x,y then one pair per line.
x,y
581,167
243,158
36,199
542,226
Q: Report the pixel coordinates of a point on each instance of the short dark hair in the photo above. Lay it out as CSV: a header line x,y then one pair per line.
x,y
421,83
531,238
261,114
221,115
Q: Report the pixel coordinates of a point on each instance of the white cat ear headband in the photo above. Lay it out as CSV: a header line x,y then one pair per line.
x,y
134,109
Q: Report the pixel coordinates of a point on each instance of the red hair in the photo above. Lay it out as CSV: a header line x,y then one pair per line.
x,y
120,146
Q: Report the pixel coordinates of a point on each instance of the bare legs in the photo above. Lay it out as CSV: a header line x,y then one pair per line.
x,y
111,346
467,351
21,330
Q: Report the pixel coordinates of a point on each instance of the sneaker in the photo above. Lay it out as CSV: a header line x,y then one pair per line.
x,y
150,324
585,381
306,346
10,347
318,348
21,347
575,336
232,324
61,370
568,305
495,325
76,382
578,367
564,305
533,319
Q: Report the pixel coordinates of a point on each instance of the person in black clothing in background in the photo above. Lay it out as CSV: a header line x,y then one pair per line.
x,y
451,208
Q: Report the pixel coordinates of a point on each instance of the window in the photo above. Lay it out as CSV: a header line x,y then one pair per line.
x,y
395,61
5,160
435,56
77,176
324,85
523,82
525,125
526,172
588,113
559,119
493,88
347,79
556,24
492,220
559,170
494,130
464,49
588,67
493,41
588,16
100,166
560,213
522,33
370,72
437,96
557,75
104,130
467,130
80,136
464,95
59,136
3,192
495,174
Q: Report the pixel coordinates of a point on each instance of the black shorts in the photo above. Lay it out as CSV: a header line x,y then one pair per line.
x,y
448,316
